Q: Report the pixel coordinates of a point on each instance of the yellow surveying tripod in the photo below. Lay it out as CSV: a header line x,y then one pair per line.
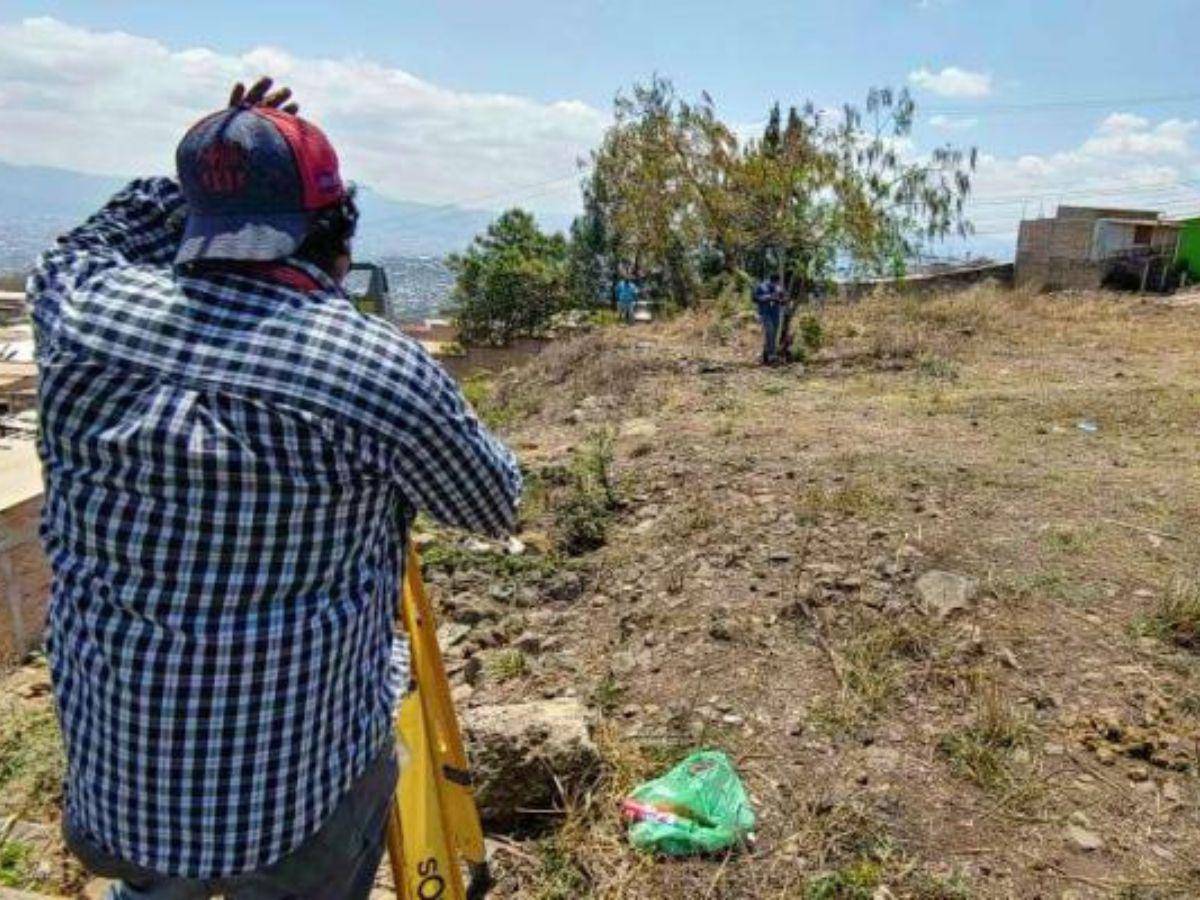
x,y
433,826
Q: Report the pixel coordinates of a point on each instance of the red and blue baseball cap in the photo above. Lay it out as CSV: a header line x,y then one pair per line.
x,y
254,178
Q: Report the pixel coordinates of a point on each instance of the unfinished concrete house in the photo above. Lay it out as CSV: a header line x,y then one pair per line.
x,y
1086,247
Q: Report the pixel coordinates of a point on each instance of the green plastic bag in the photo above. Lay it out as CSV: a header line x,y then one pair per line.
x,y
700,806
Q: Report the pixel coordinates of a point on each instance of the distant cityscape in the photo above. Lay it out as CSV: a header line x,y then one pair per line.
x,y
420,285
409,240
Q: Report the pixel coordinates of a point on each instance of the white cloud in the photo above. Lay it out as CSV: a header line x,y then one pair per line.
x,y
1128,161
1131,136
952,123
952,82
1122,122
114,103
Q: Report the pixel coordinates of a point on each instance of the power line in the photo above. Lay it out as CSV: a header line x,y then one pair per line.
x,y
454,207
1053,105
524,192
1100,190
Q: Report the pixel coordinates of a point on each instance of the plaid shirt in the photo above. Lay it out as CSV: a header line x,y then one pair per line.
x,y
231,462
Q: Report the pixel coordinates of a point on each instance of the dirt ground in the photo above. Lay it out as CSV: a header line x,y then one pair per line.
x,y
723,555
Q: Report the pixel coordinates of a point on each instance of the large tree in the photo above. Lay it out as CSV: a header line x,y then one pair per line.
x,y
815,191
511,281
591,264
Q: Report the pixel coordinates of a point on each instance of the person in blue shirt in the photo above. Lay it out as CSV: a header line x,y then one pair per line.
x,y
768,297
627,294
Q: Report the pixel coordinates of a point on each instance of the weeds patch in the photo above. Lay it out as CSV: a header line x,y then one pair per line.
x,y
607,694
17,866
994,749
1176,616
505,665
874,659
450,558
852,498
31,761
937,367
496,409
583,509
558,877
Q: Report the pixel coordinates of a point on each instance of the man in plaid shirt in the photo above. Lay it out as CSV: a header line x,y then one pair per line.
x,y
233,455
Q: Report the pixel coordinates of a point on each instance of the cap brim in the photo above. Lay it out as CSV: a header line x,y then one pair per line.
x,y
260,237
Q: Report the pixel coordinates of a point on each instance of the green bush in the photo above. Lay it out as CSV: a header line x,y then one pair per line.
x,y
583,510
511,282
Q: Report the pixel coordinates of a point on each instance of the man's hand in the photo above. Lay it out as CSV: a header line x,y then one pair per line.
x,y
260,94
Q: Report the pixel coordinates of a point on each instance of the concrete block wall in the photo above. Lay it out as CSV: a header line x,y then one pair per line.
x,y
1053,253
1057,274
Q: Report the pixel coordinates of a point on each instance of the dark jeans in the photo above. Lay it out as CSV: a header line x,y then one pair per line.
x,y
337,863
771,316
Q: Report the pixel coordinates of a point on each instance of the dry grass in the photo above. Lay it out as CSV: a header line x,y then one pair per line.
x,y
1176,615
31,761
948,427
887,752
995,748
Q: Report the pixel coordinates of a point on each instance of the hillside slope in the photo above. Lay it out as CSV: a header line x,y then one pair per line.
x,y
720,555
760,590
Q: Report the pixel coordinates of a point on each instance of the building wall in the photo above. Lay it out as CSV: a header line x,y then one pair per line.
x,y
1053,254
1044,239
1058,274
1093,213
24,581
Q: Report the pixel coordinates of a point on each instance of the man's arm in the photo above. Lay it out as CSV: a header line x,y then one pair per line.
x,y
141,225
446,462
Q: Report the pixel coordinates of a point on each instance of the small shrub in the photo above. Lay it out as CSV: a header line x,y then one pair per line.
x,y
812,333
856,881
558,877
607,694
932,365
581,523
17,865
1176,617
984,751
584,507
505,665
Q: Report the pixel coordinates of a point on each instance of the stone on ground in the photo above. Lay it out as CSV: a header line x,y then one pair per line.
x,y
1082,839
945,593
521,753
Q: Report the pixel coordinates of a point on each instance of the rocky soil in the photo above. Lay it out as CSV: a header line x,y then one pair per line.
x,y
935,591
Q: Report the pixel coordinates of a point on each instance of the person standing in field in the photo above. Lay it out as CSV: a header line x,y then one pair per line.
x,y
233,455
768,299
627,295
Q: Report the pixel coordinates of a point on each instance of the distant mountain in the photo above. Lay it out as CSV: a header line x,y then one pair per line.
x,y
38,203
402,228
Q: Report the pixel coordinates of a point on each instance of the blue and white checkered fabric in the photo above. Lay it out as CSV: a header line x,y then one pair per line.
x,y
231,464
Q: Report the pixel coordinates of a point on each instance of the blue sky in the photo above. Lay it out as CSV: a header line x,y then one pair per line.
x,y
533,80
